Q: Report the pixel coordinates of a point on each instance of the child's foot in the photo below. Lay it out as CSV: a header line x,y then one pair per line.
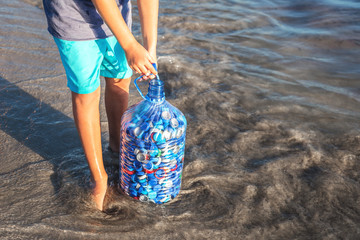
x,y
99,191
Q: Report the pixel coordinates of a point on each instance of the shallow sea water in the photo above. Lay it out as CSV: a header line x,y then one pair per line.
x,y
271,92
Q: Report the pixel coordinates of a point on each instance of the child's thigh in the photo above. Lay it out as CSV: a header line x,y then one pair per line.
x,y
115,64
82,61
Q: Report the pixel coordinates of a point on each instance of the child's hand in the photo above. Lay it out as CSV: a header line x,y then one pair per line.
x,y
140,61
138,57
151,76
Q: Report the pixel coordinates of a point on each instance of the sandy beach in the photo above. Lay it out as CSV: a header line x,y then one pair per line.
x,y
271,93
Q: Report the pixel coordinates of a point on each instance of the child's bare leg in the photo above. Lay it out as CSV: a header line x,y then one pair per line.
x,y
87,120
116,102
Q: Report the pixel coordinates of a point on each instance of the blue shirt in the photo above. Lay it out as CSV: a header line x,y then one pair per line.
x,y
77,20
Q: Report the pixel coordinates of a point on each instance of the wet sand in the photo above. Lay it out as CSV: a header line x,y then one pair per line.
x,y
271,93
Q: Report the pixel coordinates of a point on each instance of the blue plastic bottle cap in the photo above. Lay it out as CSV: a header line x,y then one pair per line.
x,y
161,195
144,126
156,161
149,166
140,172
140,144
162,181
177,183
154,151
151,176
156,118
147,187
153,182
160,173
161,127
143,150
144,191
152,195
142,181
133,178
179,168
133,193
137,165
157,188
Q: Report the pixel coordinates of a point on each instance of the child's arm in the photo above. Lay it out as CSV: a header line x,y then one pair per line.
x,y
138,57
149,11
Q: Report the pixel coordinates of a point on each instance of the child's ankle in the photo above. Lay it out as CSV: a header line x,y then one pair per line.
x,y
101,179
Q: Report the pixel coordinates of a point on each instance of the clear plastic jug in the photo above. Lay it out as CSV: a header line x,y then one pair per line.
x,y
152,146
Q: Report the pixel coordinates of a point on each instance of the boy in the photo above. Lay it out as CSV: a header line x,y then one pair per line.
x,y
94,38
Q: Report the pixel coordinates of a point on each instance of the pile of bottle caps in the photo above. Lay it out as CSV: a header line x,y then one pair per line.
x,y
152,145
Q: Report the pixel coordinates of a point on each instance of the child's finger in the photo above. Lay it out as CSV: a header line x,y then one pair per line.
x,y
136,69
151,59
144,70
144,78
151,68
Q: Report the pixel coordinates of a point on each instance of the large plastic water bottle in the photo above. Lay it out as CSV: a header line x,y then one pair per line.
x,y
152,144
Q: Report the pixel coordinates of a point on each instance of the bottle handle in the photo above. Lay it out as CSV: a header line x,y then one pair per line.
x,y
141,94
136,85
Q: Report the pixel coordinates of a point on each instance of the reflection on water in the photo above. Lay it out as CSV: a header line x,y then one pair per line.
x,y
271,92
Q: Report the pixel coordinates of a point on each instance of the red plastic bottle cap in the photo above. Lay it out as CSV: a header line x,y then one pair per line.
x,y
174,168
148,171
129,172
159,177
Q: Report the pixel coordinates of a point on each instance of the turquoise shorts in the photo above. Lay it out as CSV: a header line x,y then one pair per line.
x,y
86,61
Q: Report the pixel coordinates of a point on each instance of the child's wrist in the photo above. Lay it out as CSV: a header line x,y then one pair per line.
x,y
129,44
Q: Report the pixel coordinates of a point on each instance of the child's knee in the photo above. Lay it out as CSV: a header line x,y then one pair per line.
x,y
86,99
115,84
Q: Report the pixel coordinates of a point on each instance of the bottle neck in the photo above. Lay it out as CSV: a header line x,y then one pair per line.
x,y
156,91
